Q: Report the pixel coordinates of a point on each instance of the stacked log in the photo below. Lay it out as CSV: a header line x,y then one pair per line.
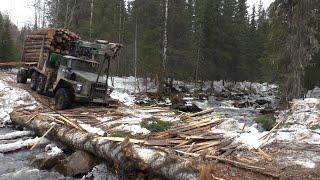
x,y
39,44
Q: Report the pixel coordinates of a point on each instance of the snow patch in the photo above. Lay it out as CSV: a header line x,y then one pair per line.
x,y
301,122
315,93
147,155
100,172
248,135
134,129
134,115
131,84
302,161
125,98
11,97
91,129
55,151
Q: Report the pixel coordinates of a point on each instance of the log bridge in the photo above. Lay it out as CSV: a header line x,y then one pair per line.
x,y
178,153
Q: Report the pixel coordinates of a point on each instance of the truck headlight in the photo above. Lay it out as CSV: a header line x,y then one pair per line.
x,y
79,87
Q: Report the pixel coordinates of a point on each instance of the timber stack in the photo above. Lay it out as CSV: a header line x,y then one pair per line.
x,y
39,44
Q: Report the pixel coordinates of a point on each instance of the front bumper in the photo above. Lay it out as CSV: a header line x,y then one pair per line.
x,y
85,99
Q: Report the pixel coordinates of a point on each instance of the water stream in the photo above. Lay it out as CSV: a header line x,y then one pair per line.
x,y
16,165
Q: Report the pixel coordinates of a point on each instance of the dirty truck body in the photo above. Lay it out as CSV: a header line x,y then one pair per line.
x,y
78,75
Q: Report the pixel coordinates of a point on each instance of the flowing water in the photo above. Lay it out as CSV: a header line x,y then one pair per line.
x,y
16,165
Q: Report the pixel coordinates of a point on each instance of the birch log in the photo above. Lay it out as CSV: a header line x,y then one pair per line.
x,y
125,156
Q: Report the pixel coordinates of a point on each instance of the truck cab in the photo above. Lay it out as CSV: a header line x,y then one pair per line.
x,y
80,82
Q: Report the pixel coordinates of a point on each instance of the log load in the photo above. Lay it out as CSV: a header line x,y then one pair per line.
x,y
125,156
39,44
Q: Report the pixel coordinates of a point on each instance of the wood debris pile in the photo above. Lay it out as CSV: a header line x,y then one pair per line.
x,y
192,135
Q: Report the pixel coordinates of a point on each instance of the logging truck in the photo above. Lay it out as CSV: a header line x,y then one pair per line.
x,y
67,68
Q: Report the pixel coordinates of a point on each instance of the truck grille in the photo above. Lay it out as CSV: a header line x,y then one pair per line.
x,y
98,90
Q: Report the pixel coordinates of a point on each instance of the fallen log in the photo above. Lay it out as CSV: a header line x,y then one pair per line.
x,y
125,155
201,113
15,134
5,148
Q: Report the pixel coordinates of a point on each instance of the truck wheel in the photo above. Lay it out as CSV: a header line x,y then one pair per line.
x,y
41,84
22,76
63,99
34,81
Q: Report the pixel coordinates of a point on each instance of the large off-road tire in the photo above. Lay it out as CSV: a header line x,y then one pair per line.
x,y
34,80
22,76
63,99
41,84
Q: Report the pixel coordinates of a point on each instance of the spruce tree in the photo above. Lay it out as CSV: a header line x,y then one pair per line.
x,y
1,24
210,44
8,50
179,39
1,32
253,23
228,42
150,18
242,40
295,43
262,33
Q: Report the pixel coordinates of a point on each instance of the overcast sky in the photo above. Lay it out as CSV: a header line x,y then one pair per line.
x,y
21,13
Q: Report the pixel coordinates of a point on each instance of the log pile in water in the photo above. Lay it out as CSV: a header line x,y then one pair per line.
x,y
40,43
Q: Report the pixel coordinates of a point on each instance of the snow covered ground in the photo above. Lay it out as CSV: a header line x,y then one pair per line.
x,y
301,125
220,86
11,97
238,123
301,122
237,94
133,116
315,93
130,85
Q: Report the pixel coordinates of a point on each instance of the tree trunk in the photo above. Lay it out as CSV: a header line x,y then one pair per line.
x,y
91,16
125,156
165,46
136,52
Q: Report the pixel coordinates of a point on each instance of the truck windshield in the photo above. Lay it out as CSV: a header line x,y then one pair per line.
x,y
82,65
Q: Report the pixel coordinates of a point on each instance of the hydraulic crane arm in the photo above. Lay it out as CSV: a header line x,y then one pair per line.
x,y
110,51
